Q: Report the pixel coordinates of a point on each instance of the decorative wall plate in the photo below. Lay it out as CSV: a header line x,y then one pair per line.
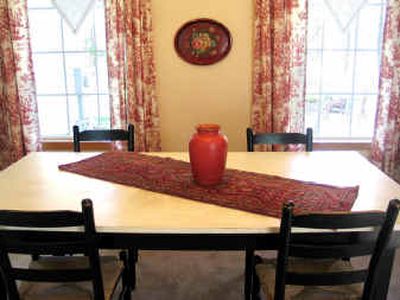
x,y
202,42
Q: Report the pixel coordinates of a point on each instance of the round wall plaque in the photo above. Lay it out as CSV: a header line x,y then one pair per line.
x,y
202,42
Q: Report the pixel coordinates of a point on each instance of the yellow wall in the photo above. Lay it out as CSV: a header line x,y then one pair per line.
x,y
190,94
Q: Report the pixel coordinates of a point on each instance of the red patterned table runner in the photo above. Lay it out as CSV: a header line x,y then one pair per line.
x,y
253,192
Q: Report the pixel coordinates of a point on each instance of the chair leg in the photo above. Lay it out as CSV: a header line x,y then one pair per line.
x,y
3,288
132,259
255,293
381,286
126,291
126,294
248,273
126,288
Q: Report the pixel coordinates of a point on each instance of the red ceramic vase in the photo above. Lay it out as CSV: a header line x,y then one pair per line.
x,y
207,150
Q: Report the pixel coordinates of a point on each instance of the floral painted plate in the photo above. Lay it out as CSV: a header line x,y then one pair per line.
x,y
203,42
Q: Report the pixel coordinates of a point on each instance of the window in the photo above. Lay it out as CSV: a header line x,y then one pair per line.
x,y
70,69
343,58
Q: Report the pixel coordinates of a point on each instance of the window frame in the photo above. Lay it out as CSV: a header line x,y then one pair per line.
x,y
65,54
320,94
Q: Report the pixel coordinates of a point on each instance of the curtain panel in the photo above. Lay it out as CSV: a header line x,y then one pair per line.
x,y
19,124
280,32
132,77
385,152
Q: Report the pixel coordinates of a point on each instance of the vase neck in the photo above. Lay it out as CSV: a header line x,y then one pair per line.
x,y
208,128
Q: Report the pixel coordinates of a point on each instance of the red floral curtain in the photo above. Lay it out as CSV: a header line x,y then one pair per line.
x,y
131,70
385,150
19,124
279,65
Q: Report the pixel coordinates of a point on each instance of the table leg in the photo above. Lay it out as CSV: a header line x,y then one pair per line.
x,y
248,274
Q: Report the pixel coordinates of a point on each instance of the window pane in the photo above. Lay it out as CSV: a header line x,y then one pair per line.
x,y
84,111
83,40
313,83
367,72
90,35
334,117
326,30
45,30
315,27
312,112
53,115
337,72
102,72
364,108
39,3
369,39
104,113
336,36
49,73
99,20
81,73
89,111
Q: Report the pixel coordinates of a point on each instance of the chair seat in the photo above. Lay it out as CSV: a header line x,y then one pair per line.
x,y
111,269
266,274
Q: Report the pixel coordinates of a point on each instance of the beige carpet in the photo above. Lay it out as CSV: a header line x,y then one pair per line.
x,y
394,288
190,275
195,275
206,275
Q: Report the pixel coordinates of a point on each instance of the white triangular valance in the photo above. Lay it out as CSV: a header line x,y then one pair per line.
x,y
344,12
73,11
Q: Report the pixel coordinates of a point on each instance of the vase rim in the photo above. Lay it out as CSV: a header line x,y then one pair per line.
x,y
208,127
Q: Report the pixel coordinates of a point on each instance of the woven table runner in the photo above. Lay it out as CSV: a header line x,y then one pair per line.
x,y
248,191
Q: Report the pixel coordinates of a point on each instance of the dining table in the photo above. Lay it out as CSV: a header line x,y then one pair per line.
x,y
127,216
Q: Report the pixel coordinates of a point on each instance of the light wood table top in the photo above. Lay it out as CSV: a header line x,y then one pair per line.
x,y
35,183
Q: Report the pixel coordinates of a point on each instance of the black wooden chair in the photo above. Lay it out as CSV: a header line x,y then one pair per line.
x,y
103,135
53,275
310,268
111,135
279,139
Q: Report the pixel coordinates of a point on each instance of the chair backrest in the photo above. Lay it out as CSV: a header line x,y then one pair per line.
x,y
336,245
103,135
279,139
36,233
